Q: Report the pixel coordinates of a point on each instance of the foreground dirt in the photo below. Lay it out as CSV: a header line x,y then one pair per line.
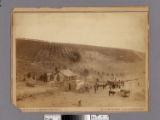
x,y
51,96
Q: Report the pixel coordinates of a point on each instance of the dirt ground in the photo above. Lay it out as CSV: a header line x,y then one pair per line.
x,y
51,96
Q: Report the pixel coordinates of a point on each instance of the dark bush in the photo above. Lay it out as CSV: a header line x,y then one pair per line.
x,y
75,57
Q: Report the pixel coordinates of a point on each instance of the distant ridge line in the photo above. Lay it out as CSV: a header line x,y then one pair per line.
x,y
42,41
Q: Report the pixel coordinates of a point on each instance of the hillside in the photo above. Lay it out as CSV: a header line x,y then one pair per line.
x,y
36,55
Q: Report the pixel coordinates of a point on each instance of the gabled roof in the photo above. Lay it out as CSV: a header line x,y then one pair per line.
x,y
68,73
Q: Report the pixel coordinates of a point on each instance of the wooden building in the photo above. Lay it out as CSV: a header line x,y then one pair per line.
x,y
67,79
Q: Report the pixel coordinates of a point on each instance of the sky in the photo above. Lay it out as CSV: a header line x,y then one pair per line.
x,y
126,30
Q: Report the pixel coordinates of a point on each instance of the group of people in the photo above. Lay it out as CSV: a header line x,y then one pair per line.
x,y
111,84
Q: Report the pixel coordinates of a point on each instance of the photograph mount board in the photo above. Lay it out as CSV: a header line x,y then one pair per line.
x,y
80,59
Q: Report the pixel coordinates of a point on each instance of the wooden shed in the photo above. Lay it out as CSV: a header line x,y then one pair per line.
x,y
67,79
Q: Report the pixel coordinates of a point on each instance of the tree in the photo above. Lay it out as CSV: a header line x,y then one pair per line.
x,y
75,57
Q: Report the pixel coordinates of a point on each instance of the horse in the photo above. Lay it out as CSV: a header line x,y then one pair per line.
x,y
103,85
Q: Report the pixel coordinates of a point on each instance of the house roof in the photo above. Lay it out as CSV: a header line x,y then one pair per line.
x,y
67,73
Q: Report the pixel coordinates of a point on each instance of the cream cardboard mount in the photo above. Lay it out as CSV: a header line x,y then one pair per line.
x,y
80,59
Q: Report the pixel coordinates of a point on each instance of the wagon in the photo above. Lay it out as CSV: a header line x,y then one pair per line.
x,y
124,93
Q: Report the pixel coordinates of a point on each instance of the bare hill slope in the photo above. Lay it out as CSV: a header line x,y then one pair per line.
x,y
38,55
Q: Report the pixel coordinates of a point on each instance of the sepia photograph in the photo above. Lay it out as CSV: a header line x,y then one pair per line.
x,y
80,59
